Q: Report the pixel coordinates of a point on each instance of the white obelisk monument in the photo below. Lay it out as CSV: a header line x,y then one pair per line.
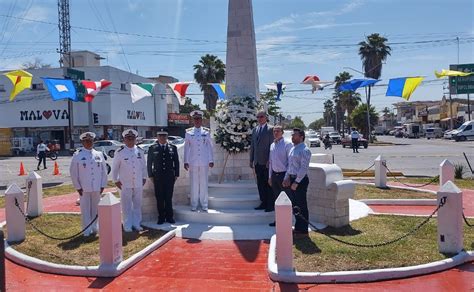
x,y
241,61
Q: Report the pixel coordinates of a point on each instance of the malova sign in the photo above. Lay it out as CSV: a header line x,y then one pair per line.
x,y
36,115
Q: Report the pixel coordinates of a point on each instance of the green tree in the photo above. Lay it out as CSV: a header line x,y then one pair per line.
x,y
209,70
373,52
328,114
35,64
359,117
386,112
297,122
188,106
269,98
345,100
317,124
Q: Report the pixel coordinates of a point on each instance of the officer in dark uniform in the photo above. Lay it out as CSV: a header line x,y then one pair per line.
x,y
163,168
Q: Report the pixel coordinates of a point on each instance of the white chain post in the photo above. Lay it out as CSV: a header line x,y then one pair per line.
x,y
446,172
450,221
110,230
34,190
15,219
284,233
380,172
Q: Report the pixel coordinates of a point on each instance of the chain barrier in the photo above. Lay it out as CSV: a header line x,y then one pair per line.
x,y
441,204
433,180
28,220
357,174
465,220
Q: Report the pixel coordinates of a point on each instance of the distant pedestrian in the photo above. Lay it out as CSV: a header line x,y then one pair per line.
x,y
355,140
41,152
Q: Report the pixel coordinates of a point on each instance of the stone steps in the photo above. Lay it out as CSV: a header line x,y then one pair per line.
x,y
223,216
243,201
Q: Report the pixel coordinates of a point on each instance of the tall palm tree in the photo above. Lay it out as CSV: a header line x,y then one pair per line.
x,y
345,100
210,69
328,112
373,52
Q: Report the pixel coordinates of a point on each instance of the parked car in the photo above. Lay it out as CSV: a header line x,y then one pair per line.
x,y
464,132
108,145
335,137
312,140
175,140
434,133
448,134
347,142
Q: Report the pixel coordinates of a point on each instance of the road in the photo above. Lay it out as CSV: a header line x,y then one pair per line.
x,y
418,157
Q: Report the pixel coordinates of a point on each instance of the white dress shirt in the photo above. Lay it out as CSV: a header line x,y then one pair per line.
x,y
129,167
88,170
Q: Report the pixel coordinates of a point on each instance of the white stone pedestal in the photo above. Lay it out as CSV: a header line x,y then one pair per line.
x,y
110,230
14,218
450,221
380,172
34,191
284,230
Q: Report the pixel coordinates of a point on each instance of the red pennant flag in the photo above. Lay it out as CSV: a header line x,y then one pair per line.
x,y
93,87
179,89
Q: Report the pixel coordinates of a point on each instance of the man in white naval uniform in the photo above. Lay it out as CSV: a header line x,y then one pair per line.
x,y
198,158
129,175
89,177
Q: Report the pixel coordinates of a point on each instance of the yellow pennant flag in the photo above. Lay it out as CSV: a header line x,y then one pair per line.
x,y
450,73
21,80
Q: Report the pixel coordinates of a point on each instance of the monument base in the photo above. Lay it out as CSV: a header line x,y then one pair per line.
x,y
237,167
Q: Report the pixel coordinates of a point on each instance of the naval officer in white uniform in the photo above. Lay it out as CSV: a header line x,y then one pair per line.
x,y
198,158
89,176
129,175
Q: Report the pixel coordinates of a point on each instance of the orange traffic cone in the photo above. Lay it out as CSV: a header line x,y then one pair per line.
x,y
22,169
56,169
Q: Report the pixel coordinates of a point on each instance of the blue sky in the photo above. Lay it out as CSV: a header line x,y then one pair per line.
x,y
295,38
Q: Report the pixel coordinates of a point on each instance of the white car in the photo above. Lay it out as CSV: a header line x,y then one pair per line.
x,y
312,140
108,145
448,134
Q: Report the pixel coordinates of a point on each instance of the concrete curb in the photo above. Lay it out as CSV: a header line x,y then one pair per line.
x,y
361,276
400,202
83,271
399,187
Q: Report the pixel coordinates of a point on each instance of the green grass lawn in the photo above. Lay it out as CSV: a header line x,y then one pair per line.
x,y
319,253
371,192
82,251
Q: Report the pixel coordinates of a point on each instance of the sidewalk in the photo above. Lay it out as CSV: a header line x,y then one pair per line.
x,y
193,265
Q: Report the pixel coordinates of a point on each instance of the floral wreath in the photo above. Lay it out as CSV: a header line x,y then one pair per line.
x,y
235,118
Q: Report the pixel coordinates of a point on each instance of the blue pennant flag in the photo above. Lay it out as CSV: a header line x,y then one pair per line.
x,y
352,85
60,88
279,90
220,89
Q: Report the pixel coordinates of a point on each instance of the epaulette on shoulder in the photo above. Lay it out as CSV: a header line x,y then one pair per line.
x,y
207,129
121,148
189,129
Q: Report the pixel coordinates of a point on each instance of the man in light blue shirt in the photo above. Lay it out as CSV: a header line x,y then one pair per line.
x,y
277,165
297,180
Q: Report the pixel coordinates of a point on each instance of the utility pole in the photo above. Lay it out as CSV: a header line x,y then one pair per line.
x,y
64,26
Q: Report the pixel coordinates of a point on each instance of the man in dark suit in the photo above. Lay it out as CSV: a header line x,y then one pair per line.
x,y
262,138
163,168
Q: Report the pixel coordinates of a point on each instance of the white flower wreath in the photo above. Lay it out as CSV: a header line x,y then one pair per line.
x,y
235,118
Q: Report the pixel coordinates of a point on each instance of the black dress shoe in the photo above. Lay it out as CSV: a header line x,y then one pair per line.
x,y
170,220
272,224
269,210
261,207
160,221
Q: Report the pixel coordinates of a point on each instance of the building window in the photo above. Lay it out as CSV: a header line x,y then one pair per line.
x,y
37,86
123,86
2,87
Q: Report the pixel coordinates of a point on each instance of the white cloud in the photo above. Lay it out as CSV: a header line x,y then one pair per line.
x,y
274,42
311,20
37,13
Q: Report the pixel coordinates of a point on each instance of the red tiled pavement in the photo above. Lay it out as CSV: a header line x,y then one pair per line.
x,y
192,265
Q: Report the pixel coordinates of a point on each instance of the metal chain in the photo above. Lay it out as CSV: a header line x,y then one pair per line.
x,y
465,220
364,170
50,236
433,180
441,204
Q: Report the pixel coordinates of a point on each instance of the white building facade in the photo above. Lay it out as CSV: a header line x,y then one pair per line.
x,y
34,114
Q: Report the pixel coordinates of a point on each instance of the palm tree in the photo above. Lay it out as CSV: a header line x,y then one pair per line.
x,y
345,100
209,70
328,111
373,52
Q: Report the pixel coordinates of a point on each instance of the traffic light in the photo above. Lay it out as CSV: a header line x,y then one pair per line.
x,y
96,118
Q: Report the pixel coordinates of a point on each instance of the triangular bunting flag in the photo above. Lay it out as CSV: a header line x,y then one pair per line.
x,y
21,80
60,88
278,87
450,73
141,90
220,89
93,87
179,89
403,87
